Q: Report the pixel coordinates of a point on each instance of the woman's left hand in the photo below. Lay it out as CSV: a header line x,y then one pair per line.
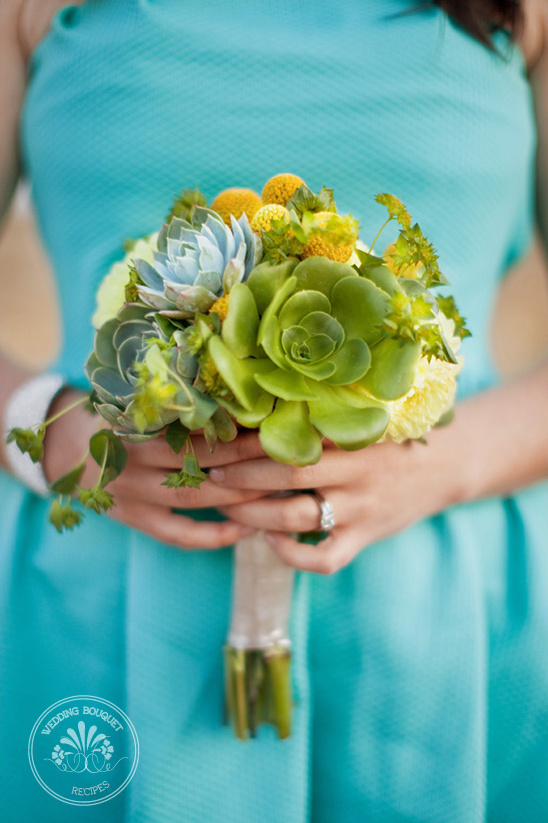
x,y
374,493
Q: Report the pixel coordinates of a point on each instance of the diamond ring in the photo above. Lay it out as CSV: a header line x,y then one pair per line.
x,y
327,515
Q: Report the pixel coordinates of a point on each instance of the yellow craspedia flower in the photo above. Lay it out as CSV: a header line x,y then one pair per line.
x,y
319,245
236,202
280,188
262,221
111,295
430,397
220,307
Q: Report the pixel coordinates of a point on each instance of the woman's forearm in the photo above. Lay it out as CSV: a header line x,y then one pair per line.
x,y
498,440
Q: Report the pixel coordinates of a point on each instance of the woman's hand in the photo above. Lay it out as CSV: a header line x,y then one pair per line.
x,y
141,501
374,493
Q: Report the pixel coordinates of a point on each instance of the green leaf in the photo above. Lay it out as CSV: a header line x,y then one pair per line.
x,y
249,419
395,209
367,260
289,385
360,307
239,330
29,442
63,515
321,274
68,482
116,455
288,436
303,200
239,375
176,436
350,427
104,348
393,368
385,279
301,304
197,406
190,476
266,278
96,498
352,361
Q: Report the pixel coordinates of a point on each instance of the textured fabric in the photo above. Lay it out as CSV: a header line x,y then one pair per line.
x,y
420,669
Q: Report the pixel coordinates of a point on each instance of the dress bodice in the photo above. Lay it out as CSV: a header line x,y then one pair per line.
x,y
132,100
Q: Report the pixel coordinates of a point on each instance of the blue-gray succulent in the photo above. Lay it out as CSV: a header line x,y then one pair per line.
x,y
196,262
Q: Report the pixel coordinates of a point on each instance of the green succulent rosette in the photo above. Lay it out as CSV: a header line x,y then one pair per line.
x,y
304,355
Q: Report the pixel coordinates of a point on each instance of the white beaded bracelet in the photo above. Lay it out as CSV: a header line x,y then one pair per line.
x,y
27,407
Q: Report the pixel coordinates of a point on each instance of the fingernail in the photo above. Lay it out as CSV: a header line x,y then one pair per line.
x,y
272,539
217,475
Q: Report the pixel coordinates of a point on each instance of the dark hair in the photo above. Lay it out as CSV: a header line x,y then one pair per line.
x,y
482,17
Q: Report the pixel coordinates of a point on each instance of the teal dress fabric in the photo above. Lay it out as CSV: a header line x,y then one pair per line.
x,y
419,669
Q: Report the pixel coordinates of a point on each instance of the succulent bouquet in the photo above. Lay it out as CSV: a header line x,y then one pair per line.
x,y
264,313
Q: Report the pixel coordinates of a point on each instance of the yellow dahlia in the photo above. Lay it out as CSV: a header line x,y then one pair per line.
x,y
430,397
111,295
280,188
236,202
262,221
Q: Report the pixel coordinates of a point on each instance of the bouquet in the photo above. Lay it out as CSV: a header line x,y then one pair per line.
x,y
263,312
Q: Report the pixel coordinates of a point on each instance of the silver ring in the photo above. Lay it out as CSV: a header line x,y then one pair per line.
x,y
327,515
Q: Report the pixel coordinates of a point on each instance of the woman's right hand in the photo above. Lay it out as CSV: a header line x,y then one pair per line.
x,y
141,501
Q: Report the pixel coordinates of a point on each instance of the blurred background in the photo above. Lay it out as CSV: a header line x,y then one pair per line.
x,y
29,317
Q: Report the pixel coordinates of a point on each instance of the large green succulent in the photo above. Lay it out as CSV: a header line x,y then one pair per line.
x,y
305,356
144,381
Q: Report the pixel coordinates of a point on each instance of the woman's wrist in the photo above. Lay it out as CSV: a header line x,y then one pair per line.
x,y
66,439
28,408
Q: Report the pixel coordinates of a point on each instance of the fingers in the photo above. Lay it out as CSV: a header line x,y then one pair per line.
x,y
145,484
157,452
330,555
177,530
334,467
298,513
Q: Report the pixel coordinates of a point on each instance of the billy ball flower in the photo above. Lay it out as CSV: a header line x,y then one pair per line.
x,y
330,235
267,215
235,202
280,188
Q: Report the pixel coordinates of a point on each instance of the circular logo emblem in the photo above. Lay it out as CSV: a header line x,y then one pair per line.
x,y
83,750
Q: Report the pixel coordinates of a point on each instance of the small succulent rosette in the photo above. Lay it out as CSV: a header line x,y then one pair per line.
x,y
263,312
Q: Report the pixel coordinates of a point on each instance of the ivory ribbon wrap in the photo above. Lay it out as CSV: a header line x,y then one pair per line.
x,y
262,590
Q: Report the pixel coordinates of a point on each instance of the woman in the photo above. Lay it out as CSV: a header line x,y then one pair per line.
x,y
418,665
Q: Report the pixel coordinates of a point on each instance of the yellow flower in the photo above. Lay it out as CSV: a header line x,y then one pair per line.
x,y
280,188
262,221
220,307
236,201
430,397
111,292
330,236
413,271
317,247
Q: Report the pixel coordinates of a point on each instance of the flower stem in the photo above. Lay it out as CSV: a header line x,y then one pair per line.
x,y
278,661
59,414
386,222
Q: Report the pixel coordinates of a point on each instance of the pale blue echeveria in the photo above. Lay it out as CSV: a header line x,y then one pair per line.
x,y
196,262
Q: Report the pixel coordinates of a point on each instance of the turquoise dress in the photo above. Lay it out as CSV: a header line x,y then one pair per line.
x,y
420,668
